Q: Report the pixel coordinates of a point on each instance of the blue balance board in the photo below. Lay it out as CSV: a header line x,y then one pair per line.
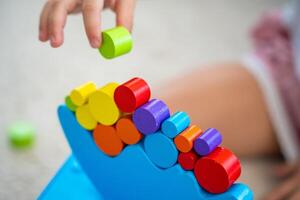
x,y
90,174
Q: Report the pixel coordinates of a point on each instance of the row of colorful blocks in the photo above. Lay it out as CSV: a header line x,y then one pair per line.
x,y
123,114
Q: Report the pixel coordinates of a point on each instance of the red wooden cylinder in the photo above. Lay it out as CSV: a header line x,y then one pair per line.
x,y
187,160
217,171
132,94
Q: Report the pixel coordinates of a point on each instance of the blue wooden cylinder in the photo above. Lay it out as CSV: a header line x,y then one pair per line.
x,y
174,125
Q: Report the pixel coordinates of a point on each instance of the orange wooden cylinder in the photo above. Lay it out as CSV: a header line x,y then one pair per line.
x,y
127,131
107,140
184,141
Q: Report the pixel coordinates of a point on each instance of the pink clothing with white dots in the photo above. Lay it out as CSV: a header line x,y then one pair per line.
x,y
276,39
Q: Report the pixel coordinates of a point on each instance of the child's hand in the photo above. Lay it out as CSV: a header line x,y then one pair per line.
x,y
290,186
54,15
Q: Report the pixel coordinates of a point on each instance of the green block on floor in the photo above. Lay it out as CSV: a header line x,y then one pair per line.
x,y
21,134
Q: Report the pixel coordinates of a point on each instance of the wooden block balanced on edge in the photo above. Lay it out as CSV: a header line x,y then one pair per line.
x,y
184,141
221,167
69,103
149,116
188,160
174,125
132,94
205,143
127,131
120,115
80,95
161,150
107,140
85,118
103,106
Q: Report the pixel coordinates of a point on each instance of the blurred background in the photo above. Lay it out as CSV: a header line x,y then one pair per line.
x,y
169,38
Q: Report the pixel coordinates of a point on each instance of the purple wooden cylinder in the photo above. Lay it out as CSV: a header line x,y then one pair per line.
x,y
207,142
149,116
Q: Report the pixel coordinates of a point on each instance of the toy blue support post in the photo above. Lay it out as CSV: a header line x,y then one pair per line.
x,y
71,182
130,175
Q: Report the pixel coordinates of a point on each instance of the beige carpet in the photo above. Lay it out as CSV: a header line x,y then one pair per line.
x,y
169,37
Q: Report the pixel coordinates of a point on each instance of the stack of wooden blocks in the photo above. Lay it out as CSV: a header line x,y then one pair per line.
x,y
120,115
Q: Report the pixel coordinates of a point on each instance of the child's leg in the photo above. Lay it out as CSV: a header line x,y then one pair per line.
x,y
228,98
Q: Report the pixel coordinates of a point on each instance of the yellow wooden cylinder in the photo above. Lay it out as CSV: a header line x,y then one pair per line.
x,y
80,95
85,118
103,106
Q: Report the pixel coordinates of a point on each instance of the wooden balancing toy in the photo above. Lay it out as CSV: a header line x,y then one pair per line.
x,y
127,145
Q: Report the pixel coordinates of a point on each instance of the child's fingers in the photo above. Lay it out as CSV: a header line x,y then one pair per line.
x,y
125,11
56,22
91,16
43,30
